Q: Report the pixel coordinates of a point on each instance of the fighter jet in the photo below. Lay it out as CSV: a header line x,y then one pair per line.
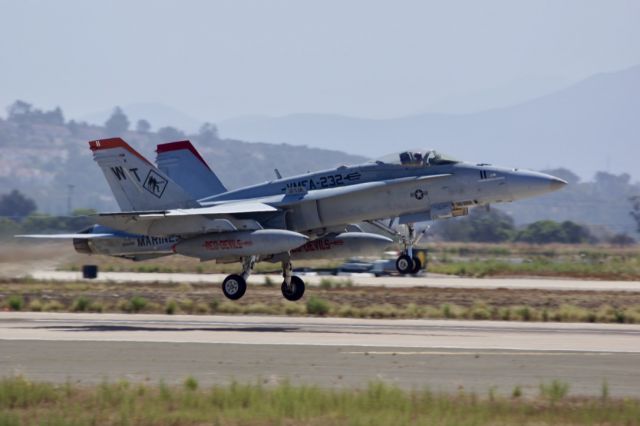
x,y
183,204
185,166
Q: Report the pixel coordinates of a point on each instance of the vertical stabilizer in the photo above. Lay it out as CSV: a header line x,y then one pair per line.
x,y
182,163
135,182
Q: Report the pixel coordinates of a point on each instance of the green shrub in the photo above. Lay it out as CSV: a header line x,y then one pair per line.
x,y
15,302
137,303
53,306
295,309
554,391
214,304
96,307
268,282
446,311
604,391
186,305
326,283
190,384
81,304
517,392
35,305
201,308
317,306
525,313
170,307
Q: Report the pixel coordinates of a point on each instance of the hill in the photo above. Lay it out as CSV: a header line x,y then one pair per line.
x,y
590,126
41,154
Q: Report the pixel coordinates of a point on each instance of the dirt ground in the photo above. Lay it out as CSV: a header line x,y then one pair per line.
x,y
358,297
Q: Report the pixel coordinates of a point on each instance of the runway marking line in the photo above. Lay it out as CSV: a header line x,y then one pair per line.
x,y
474,353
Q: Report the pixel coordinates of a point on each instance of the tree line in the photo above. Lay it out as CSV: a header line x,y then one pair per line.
x,y
24,113
495,226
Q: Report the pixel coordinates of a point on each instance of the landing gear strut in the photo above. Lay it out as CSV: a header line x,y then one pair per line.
x,y
407,263
292,285
234,286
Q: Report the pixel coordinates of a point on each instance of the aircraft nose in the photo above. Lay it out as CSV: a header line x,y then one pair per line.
x,y
524,184
557,183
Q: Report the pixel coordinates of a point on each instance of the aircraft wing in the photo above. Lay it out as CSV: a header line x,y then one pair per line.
x,y
66,236
184,221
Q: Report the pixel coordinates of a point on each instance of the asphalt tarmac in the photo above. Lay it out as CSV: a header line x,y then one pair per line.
x,y
442,355
426,280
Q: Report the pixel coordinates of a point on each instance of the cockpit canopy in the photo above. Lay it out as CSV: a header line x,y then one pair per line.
x,y
417,158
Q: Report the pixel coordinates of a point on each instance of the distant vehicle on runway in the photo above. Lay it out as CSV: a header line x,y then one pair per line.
x,y
182,207
354,266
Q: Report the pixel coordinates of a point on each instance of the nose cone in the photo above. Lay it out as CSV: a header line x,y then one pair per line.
x,y
524,184
557,183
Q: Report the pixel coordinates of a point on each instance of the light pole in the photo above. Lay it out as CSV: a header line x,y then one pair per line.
x,y
69,197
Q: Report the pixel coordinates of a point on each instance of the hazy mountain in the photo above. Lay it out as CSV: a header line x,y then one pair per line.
x,y
511,93
42,156
589,126
159,115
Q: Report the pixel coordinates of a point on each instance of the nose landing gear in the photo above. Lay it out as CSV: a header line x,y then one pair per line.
x,y
404,264
407,263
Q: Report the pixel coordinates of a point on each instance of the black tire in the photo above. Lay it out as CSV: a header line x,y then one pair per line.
x,y
234,287
417,265
404,264
295,291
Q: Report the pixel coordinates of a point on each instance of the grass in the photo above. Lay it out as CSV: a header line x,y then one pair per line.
x,y
600,261
557,260
317,306
23,402
337,301
554,391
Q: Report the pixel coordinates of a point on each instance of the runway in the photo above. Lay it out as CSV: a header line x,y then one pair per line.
x,y
427,280
336,352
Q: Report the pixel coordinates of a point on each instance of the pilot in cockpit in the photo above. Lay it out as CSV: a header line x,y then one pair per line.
x,y
411,159
417,158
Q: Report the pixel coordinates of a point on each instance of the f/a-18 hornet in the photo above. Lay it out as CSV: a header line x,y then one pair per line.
x,y
181,207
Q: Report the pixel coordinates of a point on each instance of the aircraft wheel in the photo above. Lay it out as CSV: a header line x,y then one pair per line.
x,y
295,290
417,265
234,287
404,264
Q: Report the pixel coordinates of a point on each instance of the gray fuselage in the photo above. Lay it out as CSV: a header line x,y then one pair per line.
x,y
414,192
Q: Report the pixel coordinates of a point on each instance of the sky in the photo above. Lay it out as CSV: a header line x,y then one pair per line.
x,y
220,59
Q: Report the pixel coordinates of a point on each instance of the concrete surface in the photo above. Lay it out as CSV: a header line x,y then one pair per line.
x,y
428,280
337,352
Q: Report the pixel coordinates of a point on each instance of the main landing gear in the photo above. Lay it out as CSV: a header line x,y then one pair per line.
x,y
407,263
234,286
292,285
